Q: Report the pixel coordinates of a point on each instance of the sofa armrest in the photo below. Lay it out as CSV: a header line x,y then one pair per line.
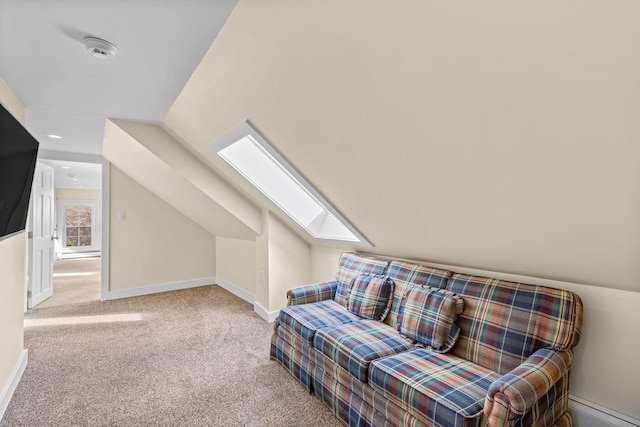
x,y
312,293
515,393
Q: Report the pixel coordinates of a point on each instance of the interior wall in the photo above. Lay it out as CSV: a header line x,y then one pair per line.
x,y
12,276
324,263
519,119
236,262
81,194
154,244
262,264
289,262
497,135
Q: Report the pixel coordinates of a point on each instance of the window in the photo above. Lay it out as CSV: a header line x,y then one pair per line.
x,y
245,150
78,226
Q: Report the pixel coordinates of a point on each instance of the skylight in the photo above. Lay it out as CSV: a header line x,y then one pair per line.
x,y
245,150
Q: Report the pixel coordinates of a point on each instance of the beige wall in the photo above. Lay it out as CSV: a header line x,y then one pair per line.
x,y
155,244
78,194
289,262
144,154
236,262
12,276
12,280
498,135
324,263
262,263
82,194
517,117
9,100
174,154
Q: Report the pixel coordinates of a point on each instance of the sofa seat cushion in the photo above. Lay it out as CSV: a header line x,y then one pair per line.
x,y
444,388
355,345
306,319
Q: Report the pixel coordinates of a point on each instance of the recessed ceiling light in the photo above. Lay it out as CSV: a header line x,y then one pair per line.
x,y
52,136
66,167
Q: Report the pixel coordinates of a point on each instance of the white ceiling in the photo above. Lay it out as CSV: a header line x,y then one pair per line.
x,y
67,92
76,175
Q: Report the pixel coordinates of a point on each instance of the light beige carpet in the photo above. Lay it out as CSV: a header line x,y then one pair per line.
x,y
196,357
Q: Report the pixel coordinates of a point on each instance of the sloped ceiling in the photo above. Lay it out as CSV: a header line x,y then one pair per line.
x,y
67,92
495,135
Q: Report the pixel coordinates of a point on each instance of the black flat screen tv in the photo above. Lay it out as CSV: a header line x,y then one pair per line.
x,y
18,152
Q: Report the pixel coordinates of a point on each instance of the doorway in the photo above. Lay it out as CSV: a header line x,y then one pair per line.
x,y
76,265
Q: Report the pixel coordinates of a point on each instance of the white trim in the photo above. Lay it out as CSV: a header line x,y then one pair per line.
x,y
318,229
235,289
591,414
61,225
154,289
71,255
14,379
269,316
104,237
106,173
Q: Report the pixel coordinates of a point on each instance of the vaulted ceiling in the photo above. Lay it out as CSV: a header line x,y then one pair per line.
x,y
67,92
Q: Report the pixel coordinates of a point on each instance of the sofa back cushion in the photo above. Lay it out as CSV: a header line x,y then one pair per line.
x,y
503,322
370,296
351,265
406,275
427,315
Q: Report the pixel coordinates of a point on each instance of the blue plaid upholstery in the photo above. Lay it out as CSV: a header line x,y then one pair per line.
x,y
298,365
306,319
350,408
406,275
517,392
427,315
510,366
370,296
355,345
418,274
505,322
312,293
445,389
352,265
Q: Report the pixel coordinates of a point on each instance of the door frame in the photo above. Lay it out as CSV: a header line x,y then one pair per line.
x,y
104,238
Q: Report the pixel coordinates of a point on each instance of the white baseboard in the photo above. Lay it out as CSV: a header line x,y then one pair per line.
x,y
269,316
235,289
154,289
589,414
12,383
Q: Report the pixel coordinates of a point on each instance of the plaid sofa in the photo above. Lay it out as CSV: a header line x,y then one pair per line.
x,y
451,350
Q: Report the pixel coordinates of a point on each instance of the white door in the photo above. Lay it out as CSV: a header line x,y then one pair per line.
x,y
41,237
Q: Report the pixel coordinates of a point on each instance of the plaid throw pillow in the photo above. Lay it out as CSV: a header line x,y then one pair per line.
x,y
370,296
427,316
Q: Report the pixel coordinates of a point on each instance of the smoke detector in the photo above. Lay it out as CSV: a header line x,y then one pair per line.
x,y
100,48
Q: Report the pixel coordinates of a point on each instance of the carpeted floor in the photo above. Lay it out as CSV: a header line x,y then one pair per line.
x,y
197,357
